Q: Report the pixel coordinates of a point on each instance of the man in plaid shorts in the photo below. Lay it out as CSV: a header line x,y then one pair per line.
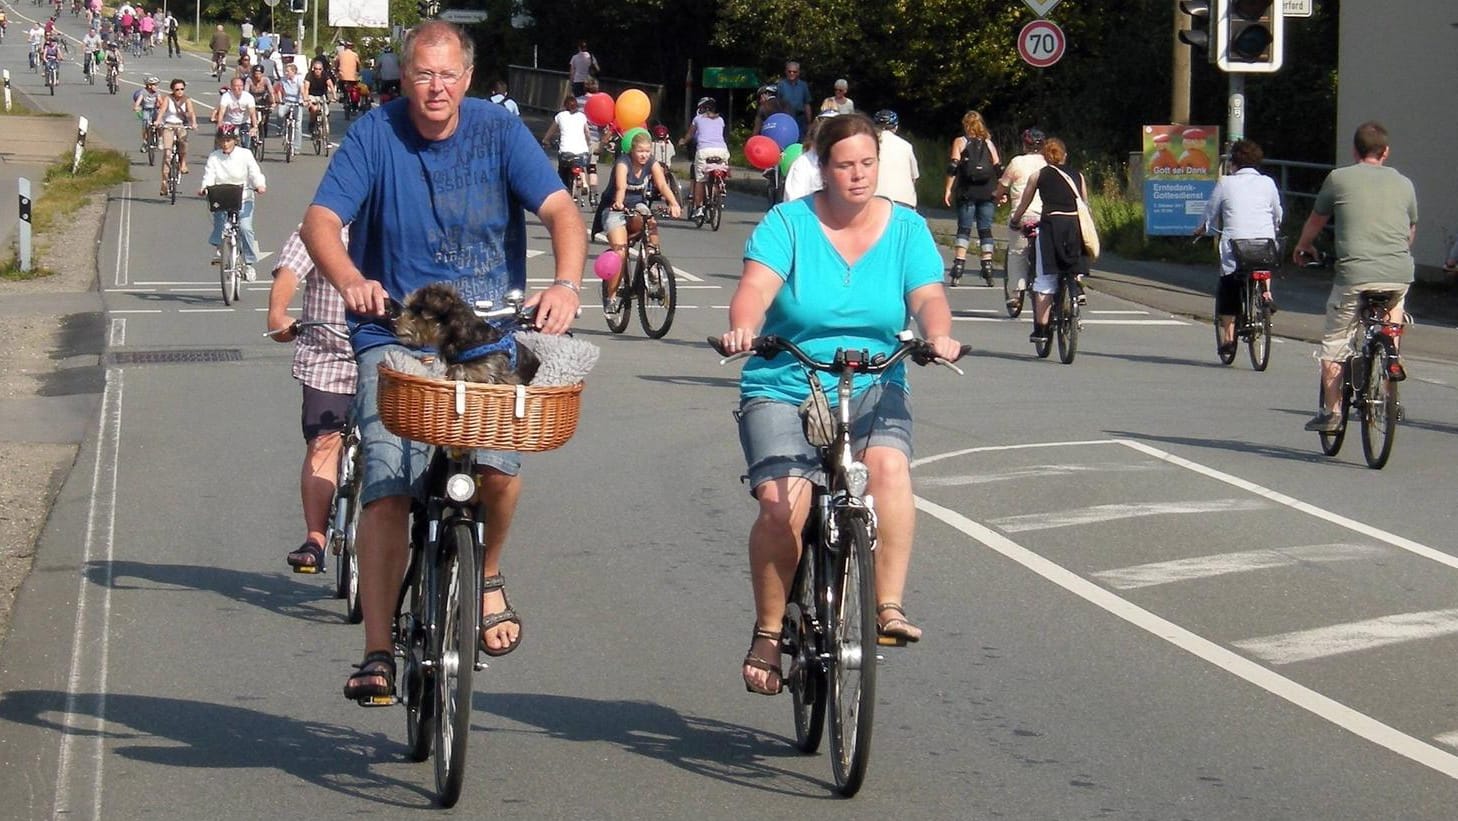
x,y
324,364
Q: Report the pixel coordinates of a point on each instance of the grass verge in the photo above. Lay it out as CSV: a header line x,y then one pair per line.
x,y
64,193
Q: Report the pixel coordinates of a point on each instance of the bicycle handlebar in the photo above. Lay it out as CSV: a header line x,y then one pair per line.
x,y
919,350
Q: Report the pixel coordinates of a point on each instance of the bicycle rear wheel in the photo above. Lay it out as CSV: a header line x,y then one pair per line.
x,y
151,151
658,299
716,207
227,268
1378,411
458,611
853,659
805,677
1066,319
1258,328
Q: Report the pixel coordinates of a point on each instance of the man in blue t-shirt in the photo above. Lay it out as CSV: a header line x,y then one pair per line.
x,y
434,186
794,95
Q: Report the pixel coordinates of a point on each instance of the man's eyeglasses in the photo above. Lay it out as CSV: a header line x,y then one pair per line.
x,y
425,78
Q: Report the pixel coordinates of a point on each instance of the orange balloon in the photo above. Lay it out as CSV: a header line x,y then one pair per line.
x,y
632,109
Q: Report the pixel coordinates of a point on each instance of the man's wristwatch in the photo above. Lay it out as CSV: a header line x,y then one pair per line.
x,y
567,283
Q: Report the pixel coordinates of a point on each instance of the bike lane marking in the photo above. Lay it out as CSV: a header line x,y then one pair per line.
x,y
1393,629
95,642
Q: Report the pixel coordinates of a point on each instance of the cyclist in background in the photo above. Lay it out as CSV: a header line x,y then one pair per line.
x,y
237,107
229,166
1244,205
91,52
707,134
145,102
1014,179
318,89
289,92
633,174
175,116
899,171
262,92
1375,209
573,148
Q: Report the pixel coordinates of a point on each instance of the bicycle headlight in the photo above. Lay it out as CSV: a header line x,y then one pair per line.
x,y
460,488
856,477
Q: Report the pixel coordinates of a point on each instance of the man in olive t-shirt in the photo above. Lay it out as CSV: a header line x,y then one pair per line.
x,y
1376,219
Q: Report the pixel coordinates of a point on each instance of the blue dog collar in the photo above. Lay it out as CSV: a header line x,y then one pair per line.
x,y
506,345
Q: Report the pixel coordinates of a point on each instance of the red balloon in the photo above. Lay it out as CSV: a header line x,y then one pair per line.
x,y
600,108
761,151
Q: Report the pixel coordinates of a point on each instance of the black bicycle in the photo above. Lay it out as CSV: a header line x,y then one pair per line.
x,y
650,281
172,163
829,632
1254,259
1064,320
1369,382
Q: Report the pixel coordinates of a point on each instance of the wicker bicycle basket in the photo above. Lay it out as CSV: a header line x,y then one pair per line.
x,y
476,415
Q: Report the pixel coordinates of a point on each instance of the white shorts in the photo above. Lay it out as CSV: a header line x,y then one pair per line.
x,y
704,156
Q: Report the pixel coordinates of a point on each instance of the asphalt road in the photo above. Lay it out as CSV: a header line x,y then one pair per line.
x,y
1146,594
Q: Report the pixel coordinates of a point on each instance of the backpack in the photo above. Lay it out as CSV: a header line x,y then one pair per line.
x,y
976,167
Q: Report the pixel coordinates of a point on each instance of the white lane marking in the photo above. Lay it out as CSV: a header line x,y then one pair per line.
x,y
124,237
1448,738
87,641
204,310
1416,548
1138,313
137,311
1025,446
1107,513
118,336
531,253
1339,714
1084,321
1224,564
1032,472
1352,637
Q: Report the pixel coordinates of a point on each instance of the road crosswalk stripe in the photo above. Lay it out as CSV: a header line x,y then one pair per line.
x,y
1352,637
1224,564
1028,522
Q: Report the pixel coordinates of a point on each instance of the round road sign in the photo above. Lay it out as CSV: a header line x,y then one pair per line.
x,y
1041,43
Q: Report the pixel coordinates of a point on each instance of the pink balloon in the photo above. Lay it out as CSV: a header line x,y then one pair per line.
x,y
608,264
761,151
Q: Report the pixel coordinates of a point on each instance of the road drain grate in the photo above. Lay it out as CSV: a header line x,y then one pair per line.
x,y
174,357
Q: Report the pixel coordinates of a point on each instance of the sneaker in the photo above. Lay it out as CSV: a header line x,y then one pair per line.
x,y
987,272
249,274
217,253
1324,422
1227,349
612,305
1039,334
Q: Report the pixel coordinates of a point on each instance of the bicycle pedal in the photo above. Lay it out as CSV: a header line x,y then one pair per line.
x,y
377,701
308,569
891,641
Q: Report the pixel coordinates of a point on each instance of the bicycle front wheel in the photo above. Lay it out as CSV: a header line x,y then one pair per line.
x,y
458,611
228,268
1258,329
853,659
658,297
805,676
1378,411
1067,321
418,688
617,321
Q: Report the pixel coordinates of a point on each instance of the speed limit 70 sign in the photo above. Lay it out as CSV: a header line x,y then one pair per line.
x,y
1041,43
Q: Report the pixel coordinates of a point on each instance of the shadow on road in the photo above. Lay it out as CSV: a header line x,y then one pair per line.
x,y
196,735
1155,359
1240,446
702,746
275,593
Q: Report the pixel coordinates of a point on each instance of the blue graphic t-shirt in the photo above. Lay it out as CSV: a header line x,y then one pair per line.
x,y
450,210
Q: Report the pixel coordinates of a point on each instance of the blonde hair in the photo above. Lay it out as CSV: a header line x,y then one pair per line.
x,y
973,126
640,139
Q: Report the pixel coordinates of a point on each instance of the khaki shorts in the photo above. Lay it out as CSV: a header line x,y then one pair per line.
x,y
1341,315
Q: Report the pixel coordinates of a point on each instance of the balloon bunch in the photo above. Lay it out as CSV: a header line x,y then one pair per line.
x,y
628,112
776,140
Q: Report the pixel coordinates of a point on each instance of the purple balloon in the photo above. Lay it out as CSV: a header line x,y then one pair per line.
x,y
781,128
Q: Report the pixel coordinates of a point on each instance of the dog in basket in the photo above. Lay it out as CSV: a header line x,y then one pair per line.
x,y
472,349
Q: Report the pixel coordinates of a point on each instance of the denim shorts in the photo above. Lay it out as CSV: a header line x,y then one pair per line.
x,y
774,443
394,466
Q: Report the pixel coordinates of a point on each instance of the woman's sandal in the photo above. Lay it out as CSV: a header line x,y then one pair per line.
x,y
306,558
752,660
361,687
897,631
490,620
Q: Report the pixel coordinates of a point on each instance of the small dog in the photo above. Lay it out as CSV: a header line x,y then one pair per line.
x,y
437,317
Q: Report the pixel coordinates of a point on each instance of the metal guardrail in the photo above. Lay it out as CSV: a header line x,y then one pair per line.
x,y
543,89
1284,174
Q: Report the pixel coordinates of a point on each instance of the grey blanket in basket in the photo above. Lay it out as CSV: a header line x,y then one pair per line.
x,y
565,360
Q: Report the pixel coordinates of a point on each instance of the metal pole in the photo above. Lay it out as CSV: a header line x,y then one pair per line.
x,y
1236,126
316,25
688,92
197,19
23,244
1179,96
81,128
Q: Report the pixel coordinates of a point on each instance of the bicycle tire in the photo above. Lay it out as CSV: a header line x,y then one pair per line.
x,y
1378,411
1331,443
172,177
1258,335
326,136
716,212
288,145
852,673
458,612
1226,356
258,147
805,675
227,259
1068,322
418,689
701,215
151,152
1012,301
656,307
618,322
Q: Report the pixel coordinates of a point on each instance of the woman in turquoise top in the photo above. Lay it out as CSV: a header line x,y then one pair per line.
x,y
842,268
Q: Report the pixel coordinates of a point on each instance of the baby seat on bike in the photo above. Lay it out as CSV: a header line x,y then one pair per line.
x,y
1255,254
225,198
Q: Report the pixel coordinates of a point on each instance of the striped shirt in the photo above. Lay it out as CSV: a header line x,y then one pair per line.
x,y
322,360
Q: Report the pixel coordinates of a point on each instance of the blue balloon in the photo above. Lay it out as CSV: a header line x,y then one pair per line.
x,y
781,128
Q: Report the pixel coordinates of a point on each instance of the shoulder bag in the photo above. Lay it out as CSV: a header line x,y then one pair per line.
x,y
1086,227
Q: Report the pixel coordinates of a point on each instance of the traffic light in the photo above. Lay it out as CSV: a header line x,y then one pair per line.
x,y
1250,35
1198,35
298,6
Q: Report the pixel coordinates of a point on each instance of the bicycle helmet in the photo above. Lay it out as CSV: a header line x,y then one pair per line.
x,y
1032,137
227,131
150,81
706,103
660,132
886,118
